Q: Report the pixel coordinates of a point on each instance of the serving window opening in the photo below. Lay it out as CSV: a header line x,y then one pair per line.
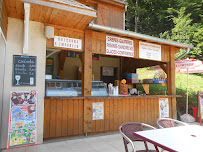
x,y
63,73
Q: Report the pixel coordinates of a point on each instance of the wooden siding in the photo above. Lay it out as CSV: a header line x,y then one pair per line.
x,y
109,15
73,117
63,117
99,46
120,110
3,17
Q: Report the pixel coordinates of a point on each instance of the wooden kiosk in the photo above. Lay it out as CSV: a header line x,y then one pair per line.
x,y
92,22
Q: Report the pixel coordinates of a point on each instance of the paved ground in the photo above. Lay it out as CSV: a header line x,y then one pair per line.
x,y
99,143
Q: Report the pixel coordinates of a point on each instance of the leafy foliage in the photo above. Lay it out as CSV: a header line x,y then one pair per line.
x,y
149,17
175,20
186,32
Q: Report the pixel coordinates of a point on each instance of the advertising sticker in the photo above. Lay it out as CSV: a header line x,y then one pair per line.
x,y
163,107
97,110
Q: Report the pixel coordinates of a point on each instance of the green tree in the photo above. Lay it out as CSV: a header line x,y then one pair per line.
x,y
150,17
195,7
186,31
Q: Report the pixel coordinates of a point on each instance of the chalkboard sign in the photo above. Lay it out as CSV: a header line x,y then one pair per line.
x,y
24,70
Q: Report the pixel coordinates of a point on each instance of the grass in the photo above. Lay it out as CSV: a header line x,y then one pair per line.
x,y
195,84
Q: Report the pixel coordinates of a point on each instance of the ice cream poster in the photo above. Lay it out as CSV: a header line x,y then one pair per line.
x,y
22,124
22,137
23,98
163,107
97,110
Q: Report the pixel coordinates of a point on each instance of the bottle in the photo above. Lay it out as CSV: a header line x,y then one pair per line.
x,y
110,88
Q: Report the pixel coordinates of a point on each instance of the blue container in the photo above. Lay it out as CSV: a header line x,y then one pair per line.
x,y
159,81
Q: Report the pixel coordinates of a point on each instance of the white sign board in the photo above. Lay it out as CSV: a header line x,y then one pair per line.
x,y
149,51
119,46
187,64
66,42
163,107
97,110
107,71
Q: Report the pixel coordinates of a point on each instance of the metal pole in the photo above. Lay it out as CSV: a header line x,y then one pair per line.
x,y
187,94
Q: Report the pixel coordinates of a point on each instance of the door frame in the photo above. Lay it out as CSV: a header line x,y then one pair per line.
x,y
1,110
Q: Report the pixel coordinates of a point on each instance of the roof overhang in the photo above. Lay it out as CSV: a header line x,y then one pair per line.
x,y
51,12
65,7
126,33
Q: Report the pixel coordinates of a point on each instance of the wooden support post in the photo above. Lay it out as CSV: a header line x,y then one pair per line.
x,y
121,67
87,65
87,80
62,59
87,115
171,84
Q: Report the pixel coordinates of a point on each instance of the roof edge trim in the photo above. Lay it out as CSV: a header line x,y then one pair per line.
x,y
66,8
137,35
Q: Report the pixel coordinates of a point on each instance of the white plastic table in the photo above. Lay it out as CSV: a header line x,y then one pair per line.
x,y
182,139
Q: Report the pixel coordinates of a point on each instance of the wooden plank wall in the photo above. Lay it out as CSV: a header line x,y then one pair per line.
x,y
99,43
63,117
73,117
110,15
3,17
120,110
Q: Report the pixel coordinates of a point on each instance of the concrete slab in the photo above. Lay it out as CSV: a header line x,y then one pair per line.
x,y
110,142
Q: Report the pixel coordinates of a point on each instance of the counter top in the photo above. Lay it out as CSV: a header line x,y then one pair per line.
x,y
120,96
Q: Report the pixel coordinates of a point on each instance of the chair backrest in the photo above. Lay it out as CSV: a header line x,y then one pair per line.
x,y
168,123
127,130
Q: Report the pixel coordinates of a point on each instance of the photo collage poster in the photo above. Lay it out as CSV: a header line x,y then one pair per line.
x,y
22,124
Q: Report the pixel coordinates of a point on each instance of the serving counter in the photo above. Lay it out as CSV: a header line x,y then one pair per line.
x,y
72,116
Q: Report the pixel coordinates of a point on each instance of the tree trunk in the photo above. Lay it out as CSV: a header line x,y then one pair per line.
x,y
136,16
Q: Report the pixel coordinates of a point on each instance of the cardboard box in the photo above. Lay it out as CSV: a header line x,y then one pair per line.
x,y
132,76
130,81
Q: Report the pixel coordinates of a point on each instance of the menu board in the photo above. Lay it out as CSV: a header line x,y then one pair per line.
x,y
107,71
24,70
22,123
149,51
119,46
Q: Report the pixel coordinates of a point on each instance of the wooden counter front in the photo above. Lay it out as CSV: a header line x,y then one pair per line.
x,y
65,117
